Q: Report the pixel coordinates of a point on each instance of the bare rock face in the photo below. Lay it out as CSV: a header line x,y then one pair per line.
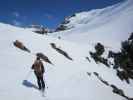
x,y
40,29
115,89
63,26
119,92
101,79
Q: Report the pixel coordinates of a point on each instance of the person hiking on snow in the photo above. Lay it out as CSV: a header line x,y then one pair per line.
x,y
39,71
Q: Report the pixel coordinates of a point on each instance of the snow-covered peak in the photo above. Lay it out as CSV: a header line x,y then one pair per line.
x,y
113,23
97,17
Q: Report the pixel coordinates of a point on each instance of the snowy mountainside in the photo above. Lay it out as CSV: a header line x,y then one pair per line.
x,y
66,80
104,25
78,79
98,17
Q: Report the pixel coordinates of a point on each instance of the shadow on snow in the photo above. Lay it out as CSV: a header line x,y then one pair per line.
x,y
28,84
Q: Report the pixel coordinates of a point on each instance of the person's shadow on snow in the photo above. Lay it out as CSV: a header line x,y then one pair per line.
x,y
29,84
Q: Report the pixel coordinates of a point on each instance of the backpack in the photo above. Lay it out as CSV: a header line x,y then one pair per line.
x,y
38,67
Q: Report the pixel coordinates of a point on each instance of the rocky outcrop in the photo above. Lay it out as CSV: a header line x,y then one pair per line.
x,y
40,29
115,90
88,59
119,92
63,26
97,55
21,46
123,60
60,51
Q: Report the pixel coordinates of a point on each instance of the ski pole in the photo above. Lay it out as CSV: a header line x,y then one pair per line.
x,y
46,86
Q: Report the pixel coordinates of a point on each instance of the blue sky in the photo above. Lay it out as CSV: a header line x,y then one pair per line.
x,y
46,12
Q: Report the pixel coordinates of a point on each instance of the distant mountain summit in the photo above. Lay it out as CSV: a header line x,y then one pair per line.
x,y
97,17
104,25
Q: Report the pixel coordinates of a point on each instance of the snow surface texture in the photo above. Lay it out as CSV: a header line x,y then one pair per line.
x,y
109,24
66,79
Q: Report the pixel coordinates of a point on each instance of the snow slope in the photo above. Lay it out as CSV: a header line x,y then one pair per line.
x,y
113,23
66,80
